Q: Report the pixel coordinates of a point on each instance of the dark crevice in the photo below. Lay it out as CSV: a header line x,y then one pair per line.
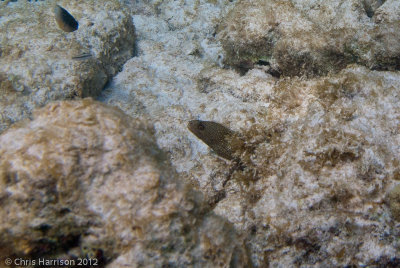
x,y
274,73
370,6
263,63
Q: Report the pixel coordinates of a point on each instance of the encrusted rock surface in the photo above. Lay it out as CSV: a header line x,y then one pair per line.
x,y
86,180
318,179
301,37
321,155
36,64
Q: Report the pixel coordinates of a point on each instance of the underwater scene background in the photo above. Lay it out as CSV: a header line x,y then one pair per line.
x,y
200,133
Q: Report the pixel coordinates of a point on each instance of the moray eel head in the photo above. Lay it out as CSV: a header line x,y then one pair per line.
x,y
215,135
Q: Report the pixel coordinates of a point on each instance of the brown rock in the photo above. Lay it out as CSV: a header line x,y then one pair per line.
x,y
83,179
310,38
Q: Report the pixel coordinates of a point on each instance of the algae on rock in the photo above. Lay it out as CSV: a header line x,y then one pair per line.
x,y
312,37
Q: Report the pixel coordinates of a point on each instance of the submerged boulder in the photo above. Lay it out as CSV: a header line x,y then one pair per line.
x,y
311,37
39,62
83,179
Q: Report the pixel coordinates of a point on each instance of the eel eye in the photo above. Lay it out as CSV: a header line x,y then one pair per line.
x,y
201,126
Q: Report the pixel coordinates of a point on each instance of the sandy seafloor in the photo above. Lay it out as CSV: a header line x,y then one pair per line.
x,y
318,185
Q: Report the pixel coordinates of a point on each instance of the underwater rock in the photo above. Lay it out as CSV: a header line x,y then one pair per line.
x,y
322,152
322,156
84,179
37,61
312,37
325,158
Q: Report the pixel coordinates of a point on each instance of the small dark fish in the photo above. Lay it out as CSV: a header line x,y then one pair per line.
x,y
214,135
82,56
65,20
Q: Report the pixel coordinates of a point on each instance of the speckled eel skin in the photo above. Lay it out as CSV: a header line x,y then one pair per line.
x,y
214,135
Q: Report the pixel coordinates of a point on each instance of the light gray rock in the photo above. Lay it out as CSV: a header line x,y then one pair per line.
x,y
36,56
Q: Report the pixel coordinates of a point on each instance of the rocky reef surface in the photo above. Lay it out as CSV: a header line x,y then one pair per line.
x,y
302,37
85,179
39,62
312,88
